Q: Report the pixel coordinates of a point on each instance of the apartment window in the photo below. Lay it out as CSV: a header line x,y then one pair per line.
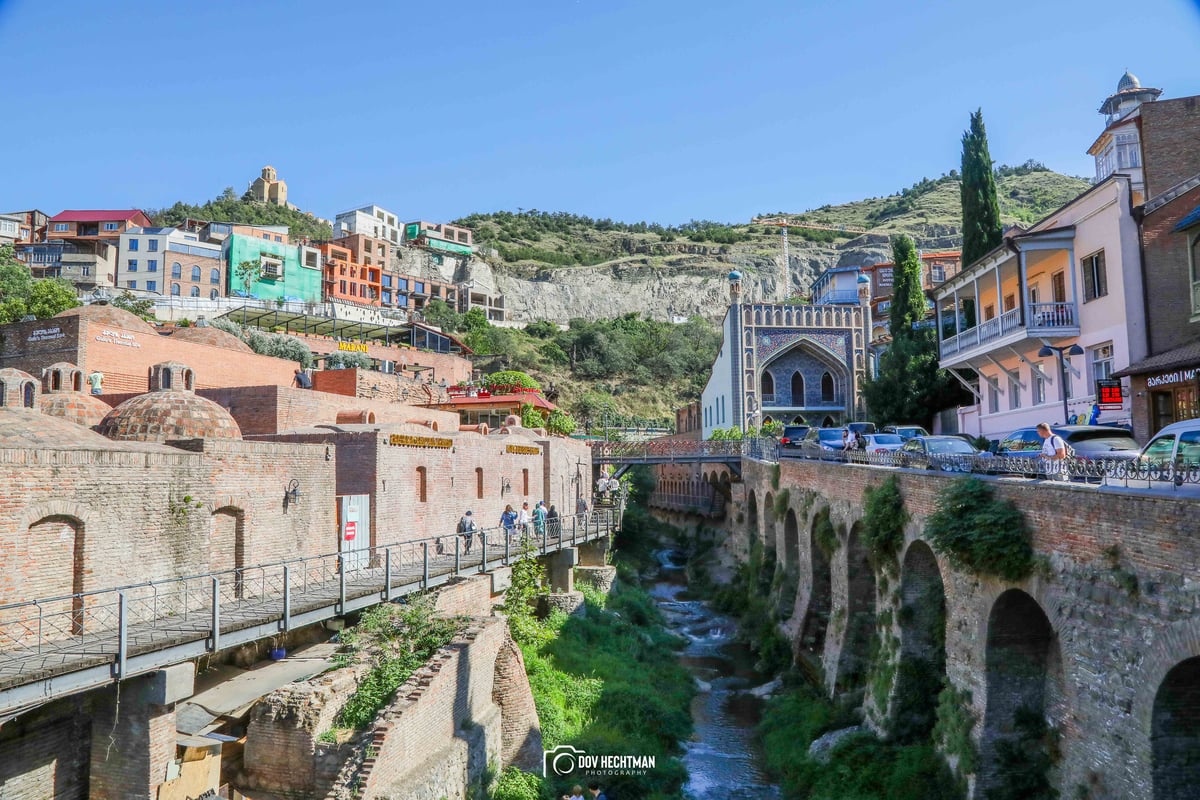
x,y
214,276
402,300
1066,377
152,245
418,287
366,247
111,226
1101,359
195,291
87,271
267,236
151,286
174,290
353,289
386,281
133,245
131,265
993,399
342,287
62,227
1039,386
213,295
387,297
937,274
1095,281
989,311
1058,286
133,284
152,265
196,273
1014,394
279,238
402,283
176,270
1194,259
1010,302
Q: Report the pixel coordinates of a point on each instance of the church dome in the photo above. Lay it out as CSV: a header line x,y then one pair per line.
x,y
105,314
735,276
170,410
1128,81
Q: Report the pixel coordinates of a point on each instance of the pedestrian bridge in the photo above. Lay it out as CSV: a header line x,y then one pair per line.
x,y
56,646
624,455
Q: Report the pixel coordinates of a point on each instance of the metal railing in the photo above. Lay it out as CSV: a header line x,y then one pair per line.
x,y
59,635
653,451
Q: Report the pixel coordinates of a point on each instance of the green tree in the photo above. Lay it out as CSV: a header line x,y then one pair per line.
x,y
908,296
15,279
982,231
48,297
22,296
909,386
438,312
531,417
560,422
248,272
129,302
509,378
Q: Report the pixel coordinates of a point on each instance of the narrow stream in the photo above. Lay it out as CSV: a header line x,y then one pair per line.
x,y
722,757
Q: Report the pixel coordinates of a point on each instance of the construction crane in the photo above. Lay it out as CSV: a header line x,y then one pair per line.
x,y
783,223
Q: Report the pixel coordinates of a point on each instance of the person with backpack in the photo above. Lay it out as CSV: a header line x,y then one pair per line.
x,y
1054,452
467,527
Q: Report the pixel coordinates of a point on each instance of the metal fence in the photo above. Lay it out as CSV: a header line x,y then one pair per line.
x,y
74,631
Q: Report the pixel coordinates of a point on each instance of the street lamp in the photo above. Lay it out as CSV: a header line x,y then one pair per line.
x,y
1061,352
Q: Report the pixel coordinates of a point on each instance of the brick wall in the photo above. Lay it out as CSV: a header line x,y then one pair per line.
x,y
1168,282
1169,132
379,386
1111,648
45,753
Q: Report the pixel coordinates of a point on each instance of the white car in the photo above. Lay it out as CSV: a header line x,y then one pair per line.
x,y
883,442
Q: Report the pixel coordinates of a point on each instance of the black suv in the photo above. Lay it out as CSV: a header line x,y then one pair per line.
x,y
792,436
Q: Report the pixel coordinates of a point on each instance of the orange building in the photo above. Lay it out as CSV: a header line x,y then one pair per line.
x,y
346,278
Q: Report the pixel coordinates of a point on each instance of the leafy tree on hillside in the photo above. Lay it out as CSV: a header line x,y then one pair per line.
x,y
908,296
982,231
22,296
230,208
129,302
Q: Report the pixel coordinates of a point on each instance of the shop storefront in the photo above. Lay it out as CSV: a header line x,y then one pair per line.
x,y
1163,393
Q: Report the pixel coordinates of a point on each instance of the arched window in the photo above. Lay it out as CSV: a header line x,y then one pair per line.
x,y
479,483
29,394
175,290
188,379
826,388
422,488
1,395
166,379
212,295
55,380
768,384
797,388
214,275
195,291
176,270
77,381
196,273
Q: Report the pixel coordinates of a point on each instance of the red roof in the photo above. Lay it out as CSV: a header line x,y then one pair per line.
x,y
102,216
536,400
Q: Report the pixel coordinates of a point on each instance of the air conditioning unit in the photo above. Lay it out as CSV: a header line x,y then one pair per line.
x,y
387,367
272,269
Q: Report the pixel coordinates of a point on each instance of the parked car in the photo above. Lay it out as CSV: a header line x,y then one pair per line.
x,y
948,453
1177,445
883,442
862,427
1093,442
819,440
905,432
792,436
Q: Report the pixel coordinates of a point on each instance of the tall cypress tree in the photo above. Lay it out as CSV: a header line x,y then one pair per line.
x,y
908,298
982,231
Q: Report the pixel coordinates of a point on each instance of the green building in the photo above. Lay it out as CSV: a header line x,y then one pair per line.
x,y
287,271
439,236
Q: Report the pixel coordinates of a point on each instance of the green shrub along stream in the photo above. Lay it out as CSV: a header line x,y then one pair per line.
x,y
607,681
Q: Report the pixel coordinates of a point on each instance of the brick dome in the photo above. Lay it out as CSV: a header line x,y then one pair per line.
x,y
81,409
211,336
105,314
170,410
27,430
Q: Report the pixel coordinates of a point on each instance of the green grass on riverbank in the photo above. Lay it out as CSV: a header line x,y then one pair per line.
x,y
608,682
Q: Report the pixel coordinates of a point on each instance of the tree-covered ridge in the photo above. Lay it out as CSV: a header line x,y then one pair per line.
x,y
230,208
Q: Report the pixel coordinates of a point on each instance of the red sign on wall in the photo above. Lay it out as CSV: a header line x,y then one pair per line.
x,y
1109,394
351,531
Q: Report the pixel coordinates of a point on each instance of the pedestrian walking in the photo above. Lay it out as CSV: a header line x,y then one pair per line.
x,y
1054,452
539,518
553,524
466,529
523,518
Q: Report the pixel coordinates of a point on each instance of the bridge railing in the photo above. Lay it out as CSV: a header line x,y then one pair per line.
x,y
680,449
110,622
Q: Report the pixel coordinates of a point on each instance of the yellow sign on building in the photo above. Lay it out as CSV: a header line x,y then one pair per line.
x,y
408,440
353,347
522,450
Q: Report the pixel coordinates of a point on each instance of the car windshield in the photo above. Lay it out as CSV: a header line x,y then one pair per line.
x,y
795,432
949,447
910,432
1108,436
830,435
886,438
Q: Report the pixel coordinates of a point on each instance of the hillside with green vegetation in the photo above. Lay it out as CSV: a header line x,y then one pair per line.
x,y
529,242
230,208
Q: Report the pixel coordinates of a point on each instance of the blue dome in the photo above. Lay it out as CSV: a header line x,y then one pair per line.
x,y
863,279
1128,81
735,276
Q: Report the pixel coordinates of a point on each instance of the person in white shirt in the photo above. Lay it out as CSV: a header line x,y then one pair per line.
x,y
1054,452
523,517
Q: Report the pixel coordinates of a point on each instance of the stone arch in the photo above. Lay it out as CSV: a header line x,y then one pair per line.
x,y
791,541
820,600
921,671
1175,733
1023,675
828,422
189,380
768,532
227,544
28,394
57,551
752,512
854,659
767,383
799,420
828,387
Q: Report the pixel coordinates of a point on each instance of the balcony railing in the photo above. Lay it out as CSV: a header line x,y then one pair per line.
x,y
768,399
1041,317
780,401
839,296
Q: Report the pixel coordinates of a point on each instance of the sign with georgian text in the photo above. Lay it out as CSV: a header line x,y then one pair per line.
x,y
408,440
522,450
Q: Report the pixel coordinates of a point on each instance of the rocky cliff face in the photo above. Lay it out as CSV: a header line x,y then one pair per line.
x,y
663,280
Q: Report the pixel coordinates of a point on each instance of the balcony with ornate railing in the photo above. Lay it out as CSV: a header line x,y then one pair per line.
x,y
1040,319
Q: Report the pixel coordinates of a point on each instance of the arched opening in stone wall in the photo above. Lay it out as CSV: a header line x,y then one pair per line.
x,y
752,513
921,671
767,384
855,658
826,387
789,567
1024,688
768,534
798,389
56,553
1175,733
77,380
55,380
827,422
29,394
816,617
791,541
422,487
227,544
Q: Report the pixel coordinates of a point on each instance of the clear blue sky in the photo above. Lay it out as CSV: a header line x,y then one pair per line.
x,y
663,110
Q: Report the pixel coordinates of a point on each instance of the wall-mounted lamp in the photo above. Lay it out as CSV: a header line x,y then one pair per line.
x,y
291,495
505,486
